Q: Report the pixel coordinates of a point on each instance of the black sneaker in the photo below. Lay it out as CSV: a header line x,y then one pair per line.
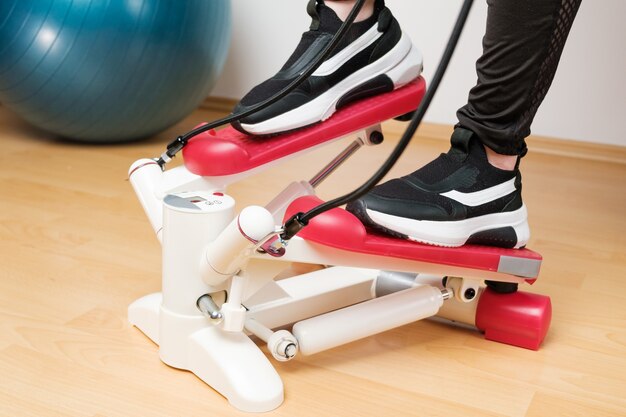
x,y
373,57
456,199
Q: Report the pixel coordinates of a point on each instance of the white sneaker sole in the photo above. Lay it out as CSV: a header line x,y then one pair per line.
x,y
455,233
402,64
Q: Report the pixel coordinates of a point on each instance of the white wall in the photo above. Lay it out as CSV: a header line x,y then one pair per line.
x,y
587,100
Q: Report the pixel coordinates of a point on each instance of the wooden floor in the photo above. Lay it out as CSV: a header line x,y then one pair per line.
x,y
76,249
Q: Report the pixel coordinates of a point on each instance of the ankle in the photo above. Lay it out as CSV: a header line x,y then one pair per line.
x,y
504,162
342,8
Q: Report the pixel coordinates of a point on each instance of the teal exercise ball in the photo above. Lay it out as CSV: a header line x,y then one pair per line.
x,y
110,70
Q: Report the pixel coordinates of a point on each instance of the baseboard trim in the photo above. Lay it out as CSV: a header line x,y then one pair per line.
x,y
221,104
537,144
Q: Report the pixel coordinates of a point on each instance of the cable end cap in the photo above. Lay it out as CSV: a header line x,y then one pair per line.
x,y
293,226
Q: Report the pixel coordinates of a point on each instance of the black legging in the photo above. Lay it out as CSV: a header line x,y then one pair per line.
x,y
521,51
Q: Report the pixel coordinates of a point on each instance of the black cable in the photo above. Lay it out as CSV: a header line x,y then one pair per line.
x,y
299,220
181,141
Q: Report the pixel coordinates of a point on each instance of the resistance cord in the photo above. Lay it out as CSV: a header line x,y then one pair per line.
x,y
299,220
181,141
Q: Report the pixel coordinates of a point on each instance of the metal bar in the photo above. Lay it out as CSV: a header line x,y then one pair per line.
x,y
336,163
209,308
258,329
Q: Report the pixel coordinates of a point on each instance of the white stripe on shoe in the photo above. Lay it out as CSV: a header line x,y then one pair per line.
x,y
487,195
334,63
454,233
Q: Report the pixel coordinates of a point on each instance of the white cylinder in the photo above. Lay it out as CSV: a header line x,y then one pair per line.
x,y
191,220
145,175
225,255
279,204
366,319
259,330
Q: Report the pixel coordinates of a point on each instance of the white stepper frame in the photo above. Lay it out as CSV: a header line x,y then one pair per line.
x,y
219,289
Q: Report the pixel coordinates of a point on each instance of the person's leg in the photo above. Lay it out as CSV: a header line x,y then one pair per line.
x,y
343,7
472,194
522,46
373,57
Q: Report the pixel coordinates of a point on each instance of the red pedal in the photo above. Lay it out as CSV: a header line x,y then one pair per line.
x,y
228,151
519,319
340,229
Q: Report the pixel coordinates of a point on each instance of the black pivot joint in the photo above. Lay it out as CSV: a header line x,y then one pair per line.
x,y
293,226
173,148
